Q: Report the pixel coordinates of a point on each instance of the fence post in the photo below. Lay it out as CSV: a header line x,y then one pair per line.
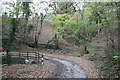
x,y
27,55
35,56
19,55
42,59
38,57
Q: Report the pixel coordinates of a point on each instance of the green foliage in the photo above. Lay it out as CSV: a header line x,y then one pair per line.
x,y
96,16
66,25
26,10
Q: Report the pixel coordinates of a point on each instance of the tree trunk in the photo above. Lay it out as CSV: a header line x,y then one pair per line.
x,y
11,39
36,40
118,16
56,41
8,59
41,25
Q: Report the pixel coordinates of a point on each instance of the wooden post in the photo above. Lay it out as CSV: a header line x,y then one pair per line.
x,y
19,55
27,55
42,59
38,57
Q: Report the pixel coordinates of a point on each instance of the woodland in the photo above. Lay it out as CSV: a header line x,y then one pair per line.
x,y
84,25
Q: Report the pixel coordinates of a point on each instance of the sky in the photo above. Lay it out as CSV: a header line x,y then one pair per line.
x,y
2,7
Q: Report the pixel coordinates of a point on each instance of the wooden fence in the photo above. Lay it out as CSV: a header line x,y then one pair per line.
x,y
27,55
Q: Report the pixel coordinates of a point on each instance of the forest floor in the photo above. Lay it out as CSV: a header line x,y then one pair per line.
x,y
28,71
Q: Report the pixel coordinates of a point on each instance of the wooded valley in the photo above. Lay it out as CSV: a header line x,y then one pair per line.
x,y
90,30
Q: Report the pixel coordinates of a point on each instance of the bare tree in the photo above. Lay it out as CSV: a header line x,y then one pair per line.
x,y
41,11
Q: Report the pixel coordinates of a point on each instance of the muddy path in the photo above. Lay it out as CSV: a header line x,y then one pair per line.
x,y
66,69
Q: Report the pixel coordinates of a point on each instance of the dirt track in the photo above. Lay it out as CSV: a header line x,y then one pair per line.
x,y
66,69
88,66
